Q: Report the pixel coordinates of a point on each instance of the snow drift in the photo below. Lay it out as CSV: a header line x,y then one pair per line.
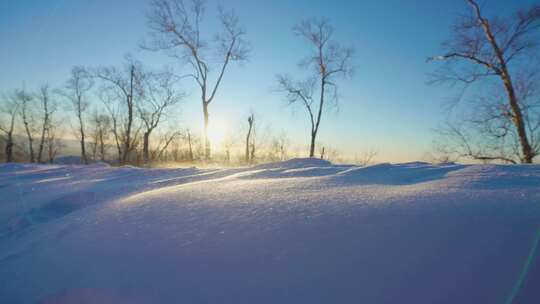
x,y
301,231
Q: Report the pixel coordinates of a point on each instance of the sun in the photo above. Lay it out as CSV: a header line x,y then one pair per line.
x,y
217,131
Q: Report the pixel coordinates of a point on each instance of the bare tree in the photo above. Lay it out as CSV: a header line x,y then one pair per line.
x,y
278,148
178,145
48,108
251,121
164,143
328,153
253,148
189,139
328,61
158,96
485,48
366,158
75,90
53,142
124,86
113,110
27,112
459,141
94,134
101,124
228,144
9,109
176,27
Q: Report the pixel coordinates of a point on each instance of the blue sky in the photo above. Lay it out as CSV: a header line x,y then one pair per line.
x,y
386,106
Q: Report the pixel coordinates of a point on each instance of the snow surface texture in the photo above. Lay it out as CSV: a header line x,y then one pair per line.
x,y
301,231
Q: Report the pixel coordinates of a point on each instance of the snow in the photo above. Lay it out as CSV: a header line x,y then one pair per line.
x,y
68,160
300,231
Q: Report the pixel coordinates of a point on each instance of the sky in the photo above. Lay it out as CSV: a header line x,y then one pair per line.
x,y
387,106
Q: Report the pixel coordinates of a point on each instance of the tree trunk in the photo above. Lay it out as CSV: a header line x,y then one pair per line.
x,y
250,121
41,145
30,142
190,147
83,140
9,148
247,146
319,115
127,140
117,140
129,100
517,116
207,149
315,128
94,149
253,152
101,145
146,142
44,129
50,146
83,150
312,146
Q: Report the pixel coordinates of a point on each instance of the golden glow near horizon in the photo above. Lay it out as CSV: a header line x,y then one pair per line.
x,y
217,132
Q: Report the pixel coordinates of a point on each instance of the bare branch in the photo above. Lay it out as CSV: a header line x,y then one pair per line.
x,y
328,61
302,91
176,28
482,47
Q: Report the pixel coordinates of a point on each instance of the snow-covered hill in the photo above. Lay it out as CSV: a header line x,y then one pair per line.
x,y
301,231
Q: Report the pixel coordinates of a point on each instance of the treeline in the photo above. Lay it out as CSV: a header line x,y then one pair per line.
x,y
129,113
124,116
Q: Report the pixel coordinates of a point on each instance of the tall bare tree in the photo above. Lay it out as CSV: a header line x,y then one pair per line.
x,y
27,112
113,110
327,62
9,109
176,28
48,107
125,86
76,90
483,49
158,95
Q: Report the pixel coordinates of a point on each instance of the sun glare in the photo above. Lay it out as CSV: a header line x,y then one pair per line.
x,y
217,131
